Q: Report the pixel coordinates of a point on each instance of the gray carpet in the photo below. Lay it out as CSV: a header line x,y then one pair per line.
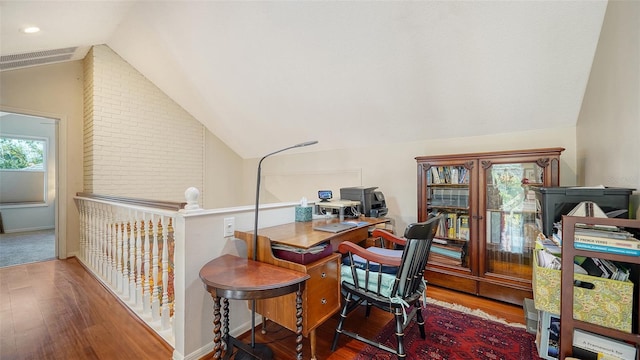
x,y
27,247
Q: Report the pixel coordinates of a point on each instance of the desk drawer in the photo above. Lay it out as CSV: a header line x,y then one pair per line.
x,y
323,291
320,300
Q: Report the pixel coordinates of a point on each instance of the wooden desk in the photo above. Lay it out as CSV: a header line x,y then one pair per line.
x,y
321,298
232,277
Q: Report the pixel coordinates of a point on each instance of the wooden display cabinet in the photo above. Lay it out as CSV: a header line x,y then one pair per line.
x,y
485,243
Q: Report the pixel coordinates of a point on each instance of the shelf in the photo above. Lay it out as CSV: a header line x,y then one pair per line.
x,y
459,186
567,322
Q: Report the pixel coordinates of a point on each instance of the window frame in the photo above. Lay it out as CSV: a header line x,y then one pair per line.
x,y
44,171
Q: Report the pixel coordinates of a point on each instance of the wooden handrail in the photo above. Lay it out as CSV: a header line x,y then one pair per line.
x,y
166,205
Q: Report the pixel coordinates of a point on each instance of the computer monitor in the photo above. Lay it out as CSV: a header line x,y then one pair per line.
x,y
325,195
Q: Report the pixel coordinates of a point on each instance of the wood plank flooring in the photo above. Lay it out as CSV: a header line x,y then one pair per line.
x,y
57,310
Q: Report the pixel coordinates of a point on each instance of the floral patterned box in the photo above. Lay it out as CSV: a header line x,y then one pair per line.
x,y
609,303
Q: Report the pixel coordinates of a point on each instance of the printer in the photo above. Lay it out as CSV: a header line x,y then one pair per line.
x,y
372,203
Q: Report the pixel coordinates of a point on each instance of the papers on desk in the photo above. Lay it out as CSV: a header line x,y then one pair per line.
x,y
336,227
312,250
356,223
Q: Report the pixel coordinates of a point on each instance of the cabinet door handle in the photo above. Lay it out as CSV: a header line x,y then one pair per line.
x,y
323,301
477,217
323,275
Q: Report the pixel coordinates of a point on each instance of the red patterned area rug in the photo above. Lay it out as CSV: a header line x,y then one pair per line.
x,y
456,335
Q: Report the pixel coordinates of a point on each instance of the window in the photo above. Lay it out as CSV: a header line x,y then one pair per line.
x,y
22,169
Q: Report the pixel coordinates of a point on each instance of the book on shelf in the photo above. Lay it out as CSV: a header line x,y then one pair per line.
x,y
606,249
611,233
435,176
494,226
628,243
452,223
463,227
463,177
587,346
454,175
605,269
448,251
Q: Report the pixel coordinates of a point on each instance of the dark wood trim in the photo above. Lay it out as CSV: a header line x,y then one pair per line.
x,y
528,153
165,205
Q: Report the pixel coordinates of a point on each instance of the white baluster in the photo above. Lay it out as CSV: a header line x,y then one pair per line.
x,y
146,297
108,231
125,260
102,237
93,237
155,301
83,229
107,242
132,259
119,232
165,274
114,250
138,281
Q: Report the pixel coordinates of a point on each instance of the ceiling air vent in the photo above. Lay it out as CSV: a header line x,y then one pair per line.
x,y
16,61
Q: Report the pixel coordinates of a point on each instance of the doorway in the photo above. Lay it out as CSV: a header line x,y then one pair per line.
x,y
28,188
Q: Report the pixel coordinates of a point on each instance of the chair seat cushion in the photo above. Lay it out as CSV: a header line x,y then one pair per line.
x,y
360,262
386,280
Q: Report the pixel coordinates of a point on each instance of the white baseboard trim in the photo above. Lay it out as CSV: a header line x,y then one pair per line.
x,y
9,231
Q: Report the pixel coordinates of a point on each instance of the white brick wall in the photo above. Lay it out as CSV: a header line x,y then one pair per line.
x,y
138,142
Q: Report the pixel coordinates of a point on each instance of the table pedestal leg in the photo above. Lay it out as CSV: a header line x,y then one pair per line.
x,y
299,324
225,323
216,327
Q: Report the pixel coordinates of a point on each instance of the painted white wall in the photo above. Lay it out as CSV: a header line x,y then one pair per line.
x,y
609,123
54,91
290,176
18,218
203,241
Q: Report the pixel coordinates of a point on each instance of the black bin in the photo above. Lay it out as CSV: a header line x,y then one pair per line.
x,y
558,201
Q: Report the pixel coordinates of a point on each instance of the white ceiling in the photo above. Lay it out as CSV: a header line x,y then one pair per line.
x,y
263,75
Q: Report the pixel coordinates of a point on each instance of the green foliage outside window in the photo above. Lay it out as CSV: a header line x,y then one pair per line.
x,y
21,154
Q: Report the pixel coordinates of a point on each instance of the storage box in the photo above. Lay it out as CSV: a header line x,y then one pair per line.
x,y
558,201
609,303
530,316
304,213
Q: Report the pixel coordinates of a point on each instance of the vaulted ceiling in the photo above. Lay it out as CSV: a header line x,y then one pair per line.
x,y
262,75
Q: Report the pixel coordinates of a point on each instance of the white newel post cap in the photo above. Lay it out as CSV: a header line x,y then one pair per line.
x,y
191,195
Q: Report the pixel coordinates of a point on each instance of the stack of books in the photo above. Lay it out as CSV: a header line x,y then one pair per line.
x,y
610,240
614,241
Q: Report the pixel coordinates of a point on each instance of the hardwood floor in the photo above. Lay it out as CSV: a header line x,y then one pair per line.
x,y
57,310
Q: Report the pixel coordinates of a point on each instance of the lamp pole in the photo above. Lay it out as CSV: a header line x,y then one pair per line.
x,y
255,229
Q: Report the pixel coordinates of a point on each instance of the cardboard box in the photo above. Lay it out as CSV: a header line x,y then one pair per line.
x,y
609,303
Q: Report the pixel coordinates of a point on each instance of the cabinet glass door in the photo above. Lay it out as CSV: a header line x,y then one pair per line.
x,y
512,215
448,194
